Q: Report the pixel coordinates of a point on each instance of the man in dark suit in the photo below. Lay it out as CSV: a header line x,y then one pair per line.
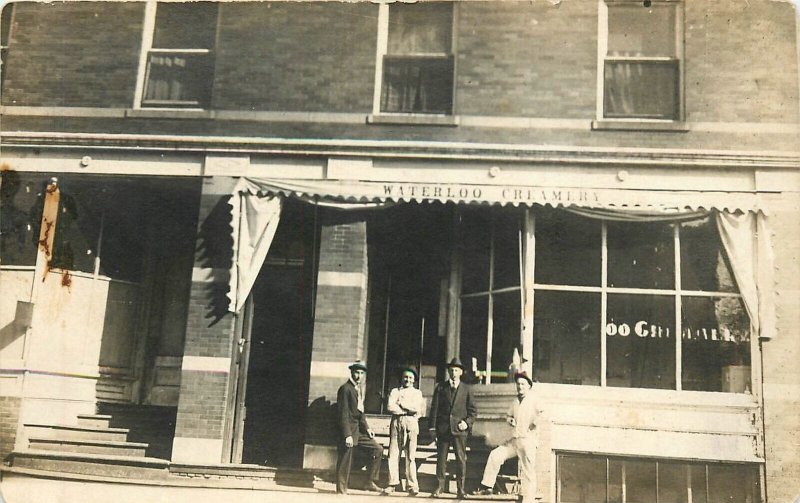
x,y
453,411
354,431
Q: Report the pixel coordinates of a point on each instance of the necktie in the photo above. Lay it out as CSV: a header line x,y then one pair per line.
x,y
360,405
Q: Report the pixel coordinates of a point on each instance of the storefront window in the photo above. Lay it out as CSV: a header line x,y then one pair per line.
x,y
716,344
627,296
567,249
600,479
641,255
490,291
640,337
19,227
641,271
704,265
566,347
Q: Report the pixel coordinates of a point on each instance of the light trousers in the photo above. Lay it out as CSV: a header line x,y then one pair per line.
x,y
403,432
523,448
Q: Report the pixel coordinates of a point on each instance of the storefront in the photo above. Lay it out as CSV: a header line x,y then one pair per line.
x,y
638,313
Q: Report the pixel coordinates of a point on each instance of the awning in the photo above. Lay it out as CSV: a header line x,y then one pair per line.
x,y
357,193
256,204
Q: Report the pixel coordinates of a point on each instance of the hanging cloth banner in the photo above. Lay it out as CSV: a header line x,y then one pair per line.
x,y
255,220
360,194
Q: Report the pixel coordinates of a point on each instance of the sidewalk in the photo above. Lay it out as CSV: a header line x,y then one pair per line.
x,y
16,488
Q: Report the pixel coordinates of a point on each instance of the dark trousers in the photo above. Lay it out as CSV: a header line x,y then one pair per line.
x,y
362,442
459,444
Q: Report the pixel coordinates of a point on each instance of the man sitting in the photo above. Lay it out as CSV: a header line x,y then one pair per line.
x,y
522,416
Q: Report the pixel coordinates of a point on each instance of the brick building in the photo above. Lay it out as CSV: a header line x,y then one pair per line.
x,y
250,195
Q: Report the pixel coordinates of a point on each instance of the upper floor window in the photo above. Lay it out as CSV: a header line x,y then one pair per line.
x,y
641,76
178,60
5,30
416,58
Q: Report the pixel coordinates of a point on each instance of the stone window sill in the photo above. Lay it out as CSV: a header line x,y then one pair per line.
x,y
413,119
639,125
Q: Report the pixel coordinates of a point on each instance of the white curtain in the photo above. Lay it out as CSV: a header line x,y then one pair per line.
x,y
746,239
255,220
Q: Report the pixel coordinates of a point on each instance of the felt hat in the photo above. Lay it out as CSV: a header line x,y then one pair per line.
x,y
455,362
523,375
409,369
358,365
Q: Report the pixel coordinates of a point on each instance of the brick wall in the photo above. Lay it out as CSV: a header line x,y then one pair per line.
x,y
741,61
9,417
339,321
296,56
73,54
205,381
542,63
740,58
780,363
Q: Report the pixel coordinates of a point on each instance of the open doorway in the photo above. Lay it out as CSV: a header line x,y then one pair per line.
x,y
409,266
280,345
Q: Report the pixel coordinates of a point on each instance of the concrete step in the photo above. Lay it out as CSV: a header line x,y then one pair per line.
x,y
92,464
72,432
96,420
88,446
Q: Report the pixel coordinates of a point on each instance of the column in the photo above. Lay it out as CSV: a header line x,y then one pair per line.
x,y
203,410
339,328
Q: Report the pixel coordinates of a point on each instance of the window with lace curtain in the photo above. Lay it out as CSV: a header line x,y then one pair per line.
x,y
418,61
641,63
179,63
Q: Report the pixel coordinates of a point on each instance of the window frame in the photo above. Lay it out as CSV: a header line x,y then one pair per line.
x,y
705,465
381,53
529,287
5,41
147,50
640,123
491,292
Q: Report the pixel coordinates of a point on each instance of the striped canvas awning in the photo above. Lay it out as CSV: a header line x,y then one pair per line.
x,y
356,193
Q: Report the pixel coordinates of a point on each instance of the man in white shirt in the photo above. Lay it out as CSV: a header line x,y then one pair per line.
x,y
523,417
406,405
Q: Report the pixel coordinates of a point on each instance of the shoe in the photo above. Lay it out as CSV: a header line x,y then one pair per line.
x,y
372,486
413,492
482,491
437,493
391,489
461,495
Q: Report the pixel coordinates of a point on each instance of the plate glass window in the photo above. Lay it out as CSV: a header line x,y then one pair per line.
x,y
180,62
601,479
642,67
418,64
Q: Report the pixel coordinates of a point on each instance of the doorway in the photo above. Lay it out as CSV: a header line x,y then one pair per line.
x,y
273,412
409,266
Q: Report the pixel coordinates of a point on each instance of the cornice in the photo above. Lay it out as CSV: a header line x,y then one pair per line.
x,y
432,150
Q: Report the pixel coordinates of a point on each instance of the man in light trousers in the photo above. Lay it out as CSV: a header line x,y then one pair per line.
x,y
406,405
523,416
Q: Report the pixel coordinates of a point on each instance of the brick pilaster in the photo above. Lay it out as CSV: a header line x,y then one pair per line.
x,y
339,327
205,372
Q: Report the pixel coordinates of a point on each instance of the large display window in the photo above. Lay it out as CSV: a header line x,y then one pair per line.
x,y
603,479
643,303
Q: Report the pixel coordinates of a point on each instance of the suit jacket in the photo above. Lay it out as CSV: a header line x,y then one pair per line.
x,y
351,420
448,409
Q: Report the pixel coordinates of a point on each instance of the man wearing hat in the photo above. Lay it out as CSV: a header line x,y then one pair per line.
x,y
453,411
522,416
406,404
354,431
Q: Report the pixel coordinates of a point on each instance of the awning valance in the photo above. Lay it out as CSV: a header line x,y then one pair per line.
x,y
356,192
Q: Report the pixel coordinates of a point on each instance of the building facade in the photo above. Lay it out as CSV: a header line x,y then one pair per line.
x,y
209,209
